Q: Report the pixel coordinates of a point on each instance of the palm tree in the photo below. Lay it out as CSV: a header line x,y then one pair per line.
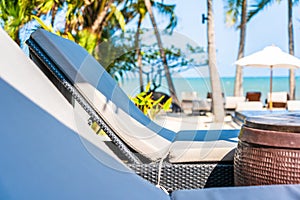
x,y
260,6
97,25
52,6
218,107
138,52
232,15
291,47
140,9
15,14
162,54
98,20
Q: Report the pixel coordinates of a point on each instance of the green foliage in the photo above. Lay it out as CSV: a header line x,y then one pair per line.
x,y
169,11
119,16
47,5
259,5
144,101
87,39
233,10
118,56
79,20
137,7
14,14
50,29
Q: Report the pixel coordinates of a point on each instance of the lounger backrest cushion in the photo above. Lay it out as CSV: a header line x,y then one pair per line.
x,y
232,101
249,105
99,88
281,97
190,96
293,105
253,96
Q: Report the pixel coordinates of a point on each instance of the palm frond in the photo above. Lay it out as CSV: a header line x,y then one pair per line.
x,y
233,11
257,7
168,10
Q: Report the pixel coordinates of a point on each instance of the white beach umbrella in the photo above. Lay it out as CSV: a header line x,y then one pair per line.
x,y
271,57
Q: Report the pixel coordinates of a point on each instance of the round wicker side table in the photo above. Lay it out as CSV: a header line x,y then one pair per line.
x,y
268,151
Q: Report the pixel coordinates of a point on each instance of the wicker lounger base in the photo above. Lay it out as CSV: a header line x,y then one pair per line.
x,y
187,176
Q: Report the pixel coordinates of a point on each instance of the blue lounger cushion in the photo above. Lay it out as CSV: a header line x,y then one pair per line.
x,y
116,109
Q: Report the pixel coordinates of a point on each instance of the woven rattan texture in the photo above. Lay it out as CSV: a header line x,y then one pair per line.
x,y
259,165
187,176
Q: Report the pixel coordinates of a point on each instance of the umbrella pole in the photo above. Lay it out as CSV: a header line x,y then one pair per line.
x,y
271,85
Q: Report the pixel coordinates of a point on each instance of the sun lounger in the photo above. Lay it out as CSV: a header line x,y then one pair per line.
x,y
249,106
152,151
279,99
192,104
201,106
187,99
232,101
190,96
293,105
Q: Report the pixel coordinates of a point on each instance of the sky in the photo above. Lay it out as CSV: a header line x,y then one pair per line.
x,y
266,28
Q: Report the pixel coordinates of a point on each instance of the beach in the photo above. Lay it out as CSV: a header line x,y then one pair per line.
x,y
202,86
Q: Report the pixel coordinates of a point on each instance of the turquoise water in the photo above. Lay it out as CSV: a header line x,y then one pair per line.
x,y
202,85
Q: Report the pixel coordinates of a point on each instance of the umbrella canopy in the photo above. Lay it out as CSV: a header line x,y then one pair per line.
x,y
271,57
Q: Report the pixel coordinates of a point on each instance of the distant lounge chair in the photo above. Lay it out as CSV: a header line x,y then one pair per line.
x,y
191,103
293,105
151,151
187,99
249,106
201,106
279,99
209,95
232,101
253,96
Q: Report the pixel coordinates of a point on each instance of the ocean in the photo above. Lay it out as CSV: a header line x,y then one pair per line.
x,y
202,86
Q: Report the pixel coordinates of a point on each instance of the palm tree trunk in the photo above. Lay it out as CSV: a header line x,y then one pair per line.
x,y
218,107
139,53
53,14
162,54
238,85
100,17
291,48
